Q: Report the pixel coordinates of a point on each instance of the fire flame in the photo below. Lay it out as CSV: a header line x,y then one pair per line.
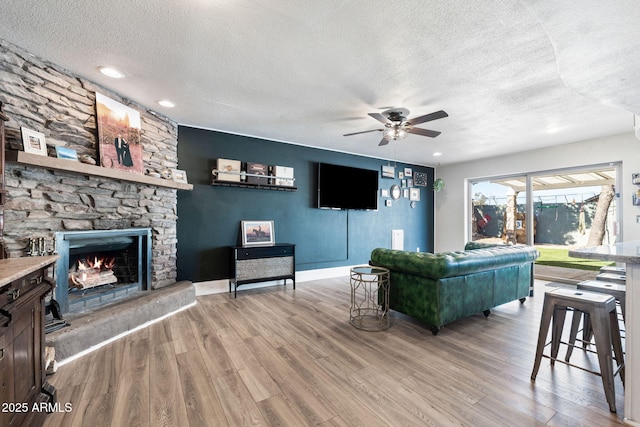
x,y
96,264
89,269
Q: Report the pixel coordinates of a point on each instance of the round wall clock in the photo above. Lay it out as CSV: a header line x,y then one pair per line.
x,y
395,192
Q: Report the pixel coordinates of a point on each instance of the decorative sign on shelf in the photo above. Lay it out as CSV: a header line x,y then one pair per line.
x,y
253,173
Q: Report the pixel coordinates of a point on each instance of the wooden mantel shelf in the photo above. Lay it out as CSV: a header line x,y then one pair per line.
x,y
82,168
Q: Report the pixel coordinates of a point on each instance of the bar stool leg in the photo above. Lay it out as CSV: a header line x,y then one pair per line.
x,y
575,323
617,343
559,314
602,333
545,321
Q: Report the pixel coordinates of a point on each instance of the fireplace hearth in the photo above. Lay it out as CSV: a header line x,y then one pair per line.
x,y
99,267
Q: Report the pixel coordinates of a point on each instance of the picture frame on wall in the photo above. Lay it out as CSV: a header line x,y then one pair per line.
x,y
257,233
119,136
414,194
33,142
388,171
420,179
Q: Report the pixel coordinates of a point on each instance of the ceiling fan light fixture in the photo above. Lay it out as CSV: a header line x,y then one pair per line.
x,y
395,132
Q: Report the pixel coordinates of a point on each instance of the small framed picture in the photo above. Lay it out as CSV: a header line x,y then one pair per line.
x,y
420,179
408,172
400,175
66,153
384,192
257,233
388,203
33,142
388,171
414,194
179,175
405,193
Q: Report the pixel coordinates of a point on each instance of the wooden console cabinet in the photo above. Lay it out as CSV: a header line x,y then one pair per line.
x,y
3,118
252,264
24,393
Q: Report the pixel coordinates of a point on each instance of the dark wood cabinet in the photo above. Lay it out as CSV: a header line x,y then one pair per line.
x,y
253,264
3,118
23,389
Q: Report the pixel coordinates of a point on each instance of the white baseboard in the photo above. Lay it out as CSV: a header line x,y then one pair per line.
x,y
222,285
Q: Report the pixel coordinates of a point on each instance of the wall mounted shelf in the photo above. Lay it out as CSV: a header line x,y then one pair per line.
x,y
46,162
249,185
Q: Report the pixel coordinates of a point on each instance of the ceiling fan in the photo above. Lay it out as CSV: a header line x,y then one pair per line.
x,y
397,126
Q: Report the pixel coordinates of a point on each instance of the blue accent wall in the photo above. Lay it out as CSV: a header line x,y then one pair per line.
x,y
209,216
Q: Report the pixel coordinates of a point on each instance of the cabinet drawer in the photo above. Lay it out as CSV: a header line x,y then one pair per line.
x,y
264,268
20,287
264,252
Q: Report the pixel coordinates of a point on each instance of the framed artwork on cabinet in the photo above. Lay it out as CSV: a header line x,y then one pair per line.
x,y
257,233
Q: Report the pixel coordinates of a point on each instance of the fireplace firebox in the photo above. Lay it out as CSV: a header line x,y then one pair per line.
x,y
98,267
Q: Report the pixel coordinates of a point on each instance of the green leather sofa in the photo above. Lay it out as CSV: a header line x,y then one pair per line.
x,y
443,287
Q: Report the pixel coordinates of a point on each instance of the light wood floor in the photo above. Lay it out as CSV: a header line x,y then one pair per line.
x,y
276,356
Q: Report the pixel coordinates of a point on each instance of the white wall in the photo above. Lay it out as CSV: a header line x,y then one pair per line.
x,y
450,203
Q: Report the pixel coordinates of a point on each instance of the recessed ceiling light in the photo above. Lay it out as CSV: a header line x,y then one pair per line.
x,y
437,153
166,103
111,72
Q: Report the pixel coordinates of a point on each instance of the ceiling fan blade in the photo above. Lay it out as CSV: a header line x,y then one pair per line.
x,y
424,132
364,131
428,117
379,117
384,141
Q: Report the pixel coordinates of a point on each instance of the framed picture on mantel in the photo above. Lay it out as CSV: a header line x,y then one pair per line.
x,y
33,142
257,233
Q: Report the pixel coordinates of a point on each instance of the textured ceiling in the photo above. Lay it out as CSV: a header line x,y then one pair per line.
x,y
513,75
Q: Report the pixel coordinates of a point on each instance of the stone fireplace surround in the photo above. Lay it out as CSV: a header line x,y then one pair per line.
x,y
41,201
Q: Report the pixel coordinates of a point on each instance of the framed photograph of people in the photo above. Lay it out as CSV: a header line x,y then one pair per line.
x,y
33,142
257,233
119,135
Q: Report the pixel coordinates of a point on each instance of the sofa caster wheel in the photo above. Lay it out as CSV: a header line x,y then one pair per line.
x,y
522,300
435,330
486,313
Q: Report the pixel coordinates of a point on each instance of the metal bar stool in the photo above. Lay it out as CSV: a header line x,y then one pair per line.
x,y
604,321
619,292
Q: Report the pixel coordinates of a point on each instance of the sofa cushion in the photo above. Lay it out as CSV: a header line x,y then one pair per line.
x,y
456,263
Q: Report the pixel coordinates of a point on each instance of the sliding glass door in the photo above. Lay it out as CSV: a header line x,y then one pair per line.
x,y
555,209
498,210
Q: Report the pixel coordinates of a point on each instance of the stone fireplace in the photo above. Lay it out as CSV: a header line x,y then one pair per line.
x,y
100,267
88,207
49,195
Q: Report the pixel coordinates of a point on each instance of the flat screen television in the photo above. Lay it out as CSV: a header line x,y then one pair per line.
x,y
346,187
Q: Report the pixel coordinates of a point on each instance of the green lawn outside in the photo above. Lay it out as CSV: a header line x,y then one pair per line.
x,y
560,258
